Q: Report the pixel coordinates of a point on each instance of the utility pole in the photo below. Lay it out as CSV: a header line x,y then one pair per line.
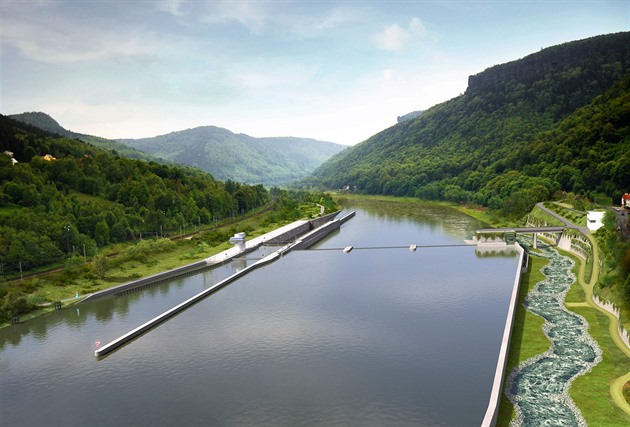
x,y
67,239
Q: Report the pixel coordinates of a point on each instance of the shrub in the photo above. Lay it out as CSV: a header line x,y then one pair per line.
x,y
13,304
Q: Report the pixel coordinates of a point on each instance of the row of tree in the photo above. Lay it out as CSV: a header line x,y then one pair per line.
x,y
615,271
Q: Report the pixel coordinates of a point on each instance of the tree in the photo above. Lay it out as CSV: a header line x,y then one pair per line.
x,y
101,233
12,304
100,266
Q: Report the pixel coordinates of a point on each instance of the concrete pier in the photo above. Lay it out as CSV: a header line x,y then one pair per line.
x,y
315,236
113,345
319,233
282,235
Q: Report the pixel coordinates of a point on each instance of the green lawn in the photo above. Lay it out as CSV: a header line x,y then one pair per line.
x,y
528,339
591,392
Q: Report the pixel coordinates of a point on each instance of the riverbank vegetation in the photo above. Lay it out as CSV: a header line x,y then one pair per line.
x,y
98,219
614,284
124,262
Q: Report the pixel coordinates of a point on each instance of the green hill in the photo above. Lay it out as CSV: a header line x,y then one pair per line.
x,y
85,197
225,155
556,120
239,157
45,122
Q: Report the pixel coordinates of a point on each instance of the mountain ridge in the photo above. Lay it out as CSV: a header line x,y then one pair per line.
x,y
474,148
45,122
228,155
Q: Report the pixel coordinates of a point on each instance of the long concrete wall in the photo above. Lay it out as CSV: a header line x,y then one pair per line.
x,y
150,280
492,412
113,345
290,235
282,235
319,233
294,233
180,307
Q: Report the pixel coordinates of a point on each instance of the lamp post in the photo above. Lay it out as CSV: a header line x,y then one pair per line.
x,y
67,228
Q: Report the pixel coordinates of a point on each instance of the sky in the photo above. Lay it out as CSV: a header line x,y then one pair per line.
x,y
338,71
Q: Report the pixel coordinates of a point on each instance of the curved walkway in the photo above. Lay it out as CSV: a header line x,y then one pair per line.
x,y
566,222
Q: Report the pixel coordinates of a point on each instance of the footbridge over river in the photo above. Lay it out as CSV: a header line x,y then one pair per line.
x,y
508,234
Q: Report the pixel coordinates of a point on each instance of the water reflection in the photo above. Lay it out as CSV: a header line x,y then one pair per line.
x,y
319,337
431,215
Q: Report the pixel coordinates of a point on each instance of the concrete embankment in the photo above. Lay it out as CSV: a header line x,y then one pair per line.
x,y
150,280
282,235
492,412
320,232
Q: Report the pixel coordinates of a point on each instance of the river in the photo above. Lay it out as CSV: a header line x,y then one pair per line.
x,y
378,336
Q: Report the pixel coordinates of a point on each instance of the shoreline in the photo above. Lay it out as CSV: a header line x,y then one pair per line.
x,y
177,259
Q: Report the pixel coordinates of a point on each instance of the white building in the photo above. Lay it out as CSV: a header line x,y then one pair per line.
x,y
594,219
10,154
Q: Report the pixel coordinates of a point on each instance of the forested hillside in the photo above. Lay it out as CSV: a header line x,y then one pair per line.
x,y
556,120
44,122
80,197
239,157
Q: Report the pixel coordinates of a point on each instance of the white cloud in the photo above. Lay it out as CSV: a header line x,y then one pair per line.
x,y
396,38
337,17
174,7
56,44
392,38
250,14
417,28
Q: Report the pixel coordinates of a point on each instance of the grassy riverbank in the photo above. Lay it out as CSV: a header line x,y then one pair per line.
x,y
591,392
131,261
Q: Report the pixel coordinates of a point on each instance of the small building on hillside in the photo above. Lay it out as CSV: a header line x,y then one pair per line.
x,y
10,155
594,219
625,200
49,157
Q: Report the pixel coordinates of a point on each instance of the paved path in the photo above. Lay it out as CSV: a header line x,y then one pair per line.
x,y
566,222
253,243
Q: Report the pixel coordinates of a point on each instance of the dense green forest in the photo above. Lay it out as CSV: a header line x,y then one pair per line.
x,y
555,121
87,197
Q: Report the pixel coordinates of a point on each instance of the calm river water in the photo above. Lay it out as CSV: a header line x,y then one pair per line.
x,y
380,336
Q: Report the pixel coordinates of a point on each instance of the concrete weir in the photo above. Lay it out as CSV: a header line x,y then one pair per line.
x,y
304,242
